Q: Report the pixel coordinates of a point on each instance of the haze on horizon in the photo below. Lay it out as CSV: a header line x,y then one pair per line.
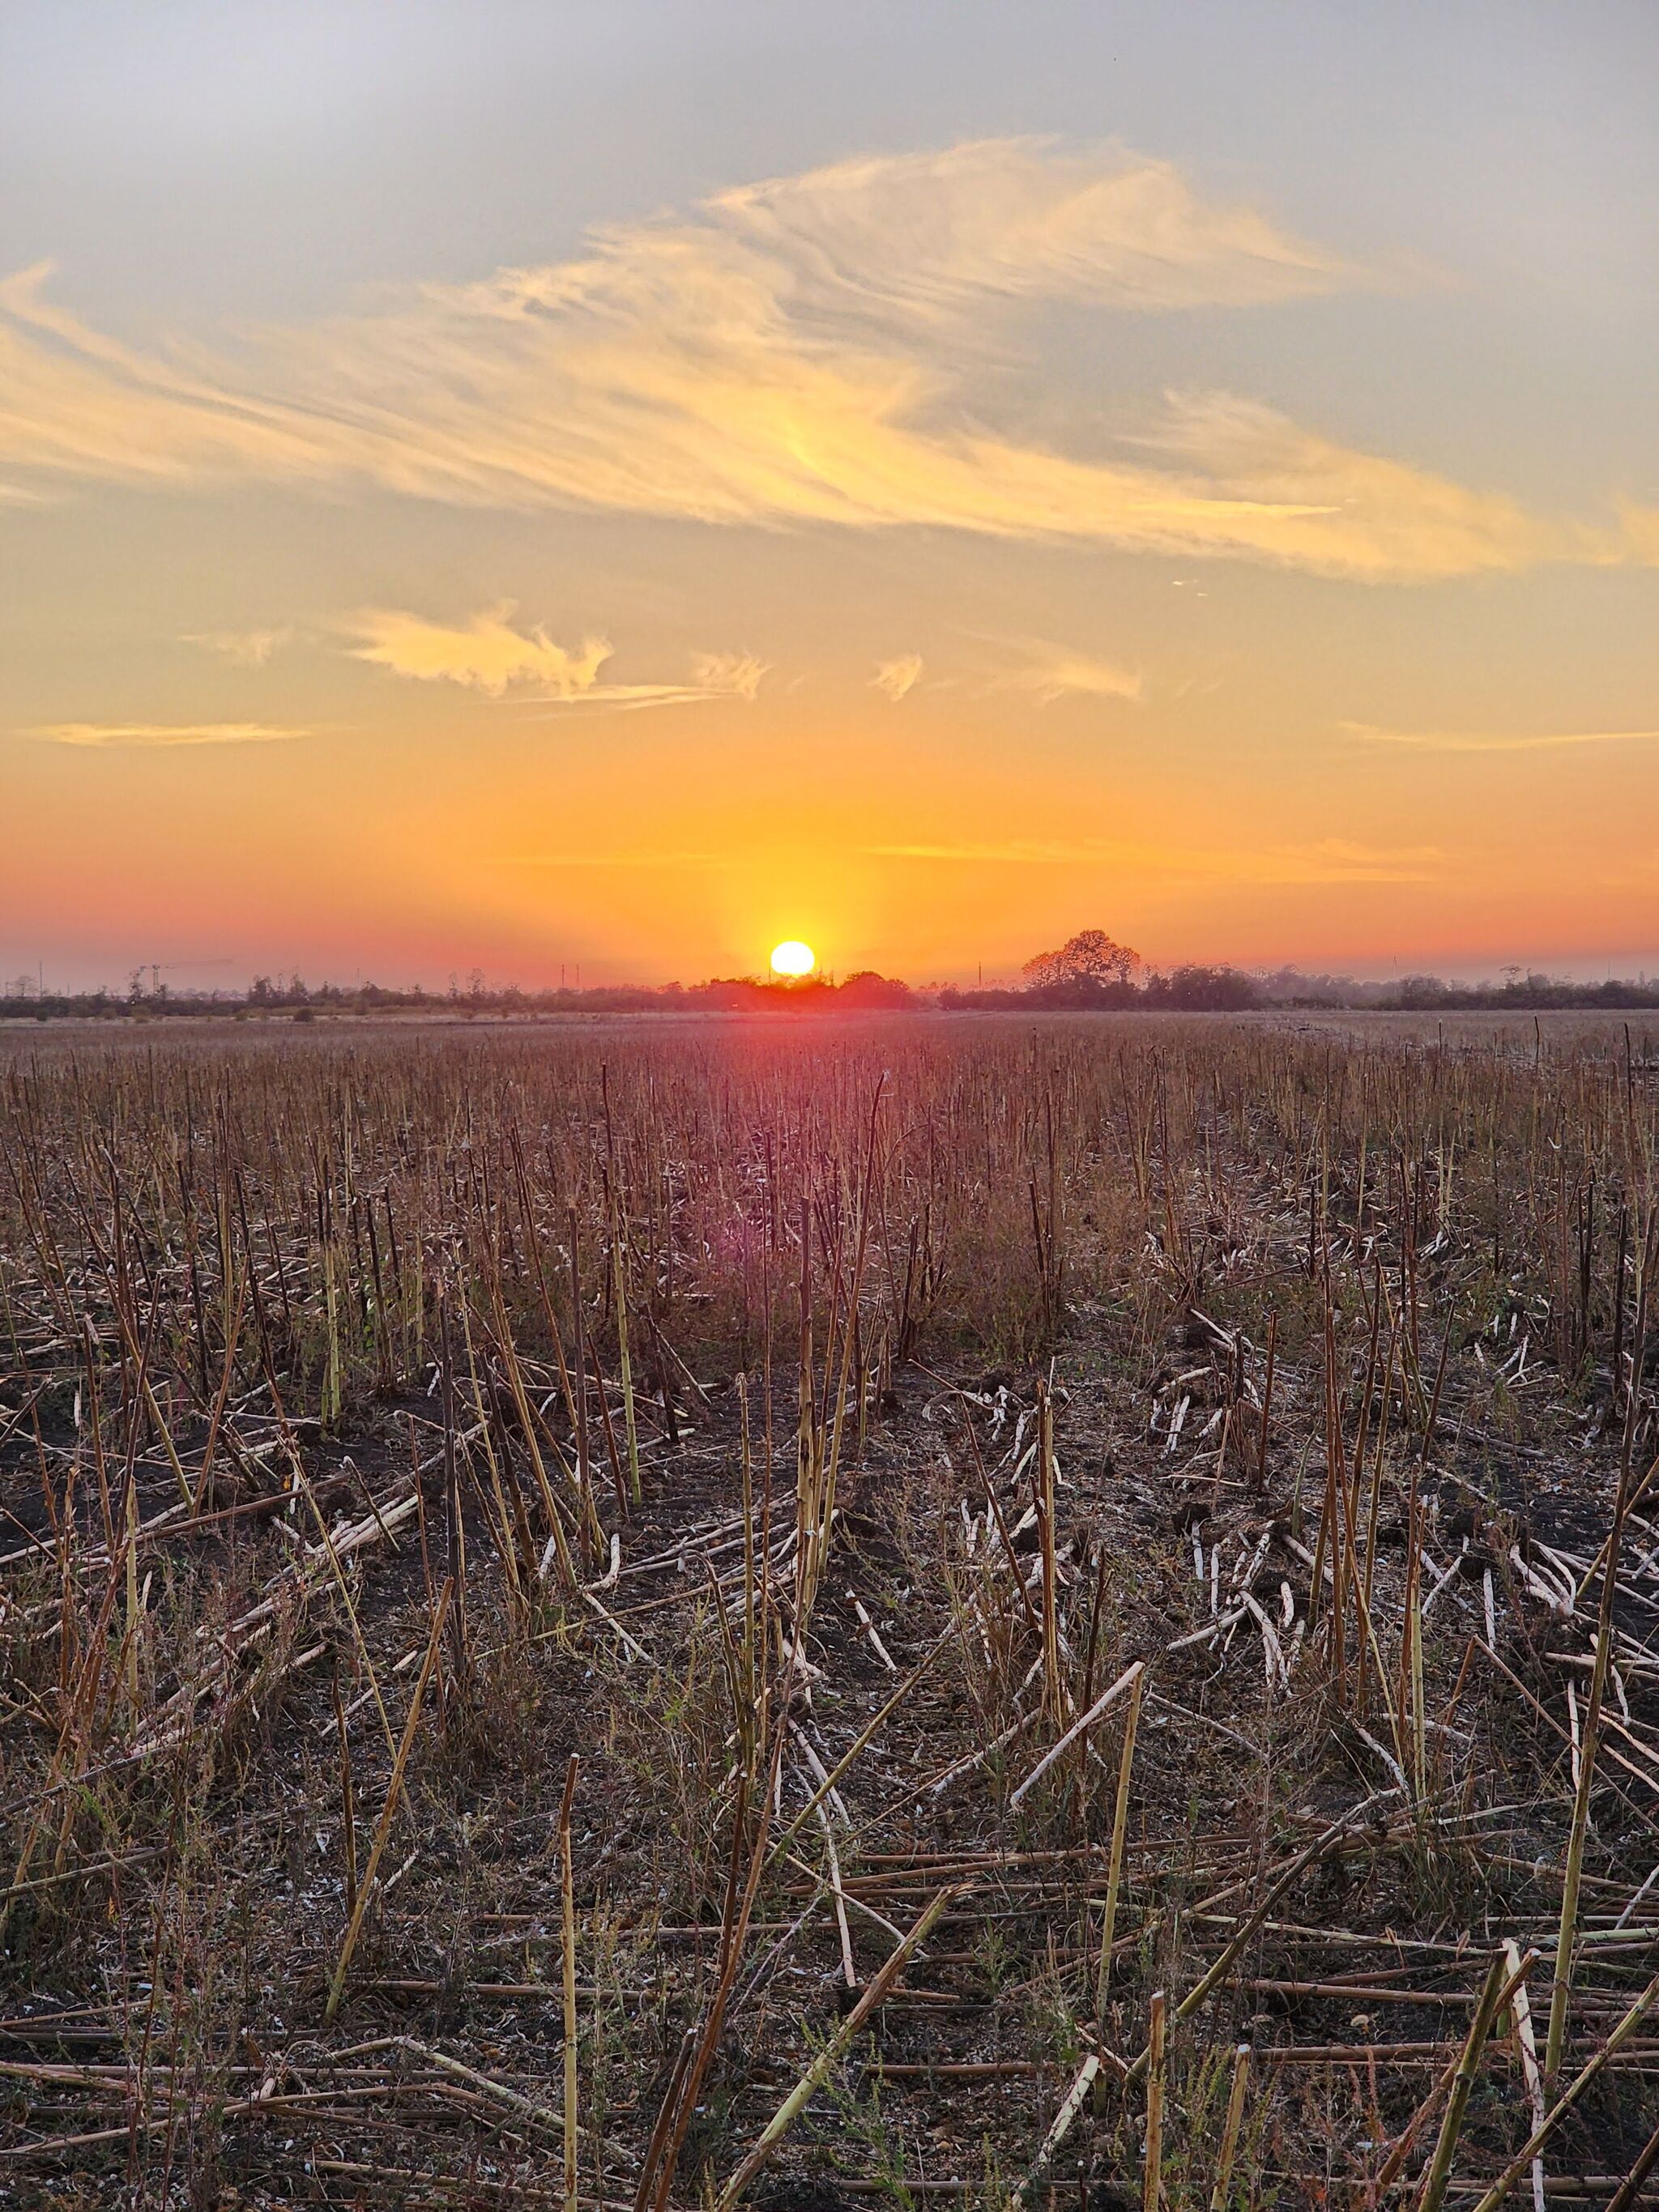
x,y
518,487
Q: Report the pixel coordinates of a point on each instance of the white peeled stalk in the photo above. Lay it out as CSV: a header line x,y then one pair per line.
x,y
1102,1703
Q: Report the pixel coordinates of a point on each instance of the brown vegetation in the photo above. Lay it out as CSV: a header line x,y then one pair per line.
x,y
1034,1609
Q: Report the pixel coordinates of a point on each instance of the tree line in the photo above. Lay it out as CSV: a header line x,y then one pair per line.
x,y
1091,972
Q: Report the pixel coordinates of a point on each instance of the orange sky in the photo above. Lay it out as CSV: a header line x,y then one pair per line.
x,y
1137,483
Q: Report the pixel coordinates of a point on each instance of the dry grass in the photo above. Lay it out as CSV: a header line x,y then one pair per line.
x,y
1060,1551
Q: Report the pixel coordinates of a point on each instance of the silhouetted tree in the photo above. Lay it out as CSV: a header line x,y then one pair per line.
x,y
867,988
1194,989
1091,957
1420,991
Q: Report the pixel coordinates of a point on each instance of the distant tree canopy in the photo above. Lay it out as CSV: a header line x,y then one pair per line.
x,y
1091,973
867,988
1194,989
1091,957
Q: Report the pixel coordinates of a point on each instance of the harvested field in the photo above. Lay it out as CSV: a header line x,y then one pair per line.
x,y
996,1611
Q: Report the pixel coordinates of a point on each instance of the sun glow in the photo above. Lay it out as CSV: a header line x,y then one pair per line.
x,y
792,958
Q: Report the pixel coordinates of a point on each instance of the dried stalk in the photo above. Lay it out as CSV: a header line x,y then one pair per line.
x,y
1224,2171
568,1903
1609,2048
354,1926
1120,1831
1152,2180
1457,2104
830,2056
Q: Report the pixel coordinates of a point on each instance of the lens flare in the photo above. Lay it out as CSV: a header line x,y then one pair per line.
x,y
792,958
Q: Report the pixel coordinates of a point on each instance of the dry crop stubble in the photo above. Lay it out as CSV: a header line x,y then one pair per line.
x,y
1062,1549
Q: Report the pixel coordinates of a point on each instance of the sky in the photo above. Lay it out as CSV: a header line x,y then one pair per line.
x,y
520,486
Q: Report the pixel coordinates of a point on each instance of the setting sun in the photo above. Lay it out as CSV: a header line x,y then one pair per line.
x,y
792,958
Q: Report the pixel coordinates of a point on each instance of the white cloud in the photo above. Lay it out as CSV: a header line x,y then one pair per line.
x,y
166,733
934,235
1334,860
1640,532
896,677
1355,512
665,860
736,674
487,654
802,350
1329,860
1049,672
249,649
1469,741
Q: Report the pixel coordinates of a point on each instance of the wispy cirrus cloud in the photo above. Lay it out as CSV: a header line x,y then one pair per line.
x,y
1046,673
932,236
103,734
1329,860
1640,527
488,653
248,648
800,350
668,859
1496,741
734,675
1350,512
899,678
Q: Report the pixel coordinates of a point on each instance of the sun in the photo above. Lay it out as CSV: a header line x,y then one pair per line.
x,y
792,958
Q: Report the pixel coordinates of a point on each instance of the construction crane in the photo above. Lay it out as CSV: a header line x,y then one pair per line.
x,y
160,968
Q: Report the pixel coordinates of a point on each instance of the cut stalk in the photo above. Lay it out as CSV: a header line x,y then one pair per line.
x,y
567,1898
394,1787
1224,2171
1568,1932
1626,2026
1152,2180
1064,2118
830,2056
1457,2104
1120,1831
619,1274
1053,1688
